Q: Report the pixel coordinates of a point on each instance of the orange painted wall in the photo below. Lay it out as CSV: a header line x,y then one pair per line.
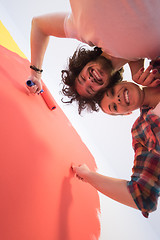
x,y
40,199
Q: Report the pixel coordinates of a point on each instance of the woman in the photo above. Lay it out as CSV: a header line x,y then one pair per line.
x,y
143,190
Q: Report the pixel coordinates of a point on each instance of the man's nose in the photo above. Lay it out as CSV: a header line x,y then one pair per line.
x,y
90,79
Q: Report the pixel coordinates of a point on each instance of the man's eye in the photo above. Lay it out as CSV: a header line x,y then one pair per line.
x,y
79,80
83,78
115,107
89,92
92,89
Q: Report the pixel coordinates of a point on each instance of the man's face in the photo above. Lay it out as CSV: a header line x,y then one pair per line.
x,y
123,98
93,78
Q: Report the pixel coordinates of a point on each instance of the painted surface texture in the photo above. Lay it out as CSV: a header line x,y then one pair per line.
x,y
40,197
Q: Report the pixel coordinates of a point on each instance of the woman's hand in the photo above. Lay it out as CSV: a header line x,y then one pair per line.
x,y
81,171
111,187
150,77
156,64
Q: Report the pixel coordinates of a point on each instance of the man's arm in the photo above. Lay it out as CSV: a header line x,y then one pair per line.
x,y
42,28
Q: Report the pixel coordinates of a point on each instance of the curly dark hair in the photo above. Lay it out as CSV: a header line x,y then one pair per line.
x,y
76,63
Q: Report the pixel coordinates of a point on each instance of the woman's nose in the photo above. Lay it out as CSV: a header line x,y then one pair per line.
x,y
118,99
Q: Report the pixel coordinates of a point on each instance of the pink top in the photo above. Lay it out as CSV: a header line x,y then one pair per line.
x,y
126,29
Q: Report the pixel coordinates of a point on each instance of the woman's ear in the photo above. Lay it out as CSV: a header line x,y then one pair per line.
x,y
127,113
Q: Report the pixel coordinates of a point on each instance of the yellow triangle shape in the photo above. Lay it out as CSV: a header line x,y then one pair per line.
x,y
7,41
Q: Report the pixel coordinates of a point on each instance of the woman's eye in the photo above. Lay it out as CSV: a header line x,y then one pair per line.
x,y
115,107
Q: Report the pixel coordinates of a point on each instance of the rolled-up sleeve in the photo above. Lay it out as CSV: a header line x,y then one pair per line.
x,y
144,185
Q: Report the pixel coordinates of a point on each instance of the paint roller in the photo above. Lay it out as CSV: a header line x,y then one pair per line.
x,y
46,95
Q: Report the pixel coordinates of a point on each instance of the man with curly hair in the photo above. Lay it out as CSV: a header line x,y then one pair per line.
x,y
126,31
88,64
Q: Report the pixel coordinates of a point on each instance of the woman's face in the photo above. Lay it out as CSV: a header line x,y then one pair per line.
x,y
93,78
123,98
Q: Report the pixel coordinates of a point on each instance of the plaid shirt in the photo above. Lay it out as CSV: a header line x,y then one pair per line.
x,y
145,180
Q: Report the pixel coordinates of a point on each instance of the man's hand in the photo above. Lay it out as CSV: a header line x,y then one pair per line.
x,y
37,87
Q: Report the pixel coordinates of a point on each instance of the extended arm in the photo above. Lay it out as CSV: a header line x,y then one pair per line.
x,y
42,28
111,187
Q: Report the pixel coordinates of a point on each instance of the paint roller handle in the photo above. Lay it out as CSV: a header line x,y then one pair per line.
x,y
46,95
30,83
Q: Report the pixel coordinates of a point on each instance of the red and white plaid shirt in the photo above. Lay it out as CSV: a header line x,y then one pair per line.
x,y
144,185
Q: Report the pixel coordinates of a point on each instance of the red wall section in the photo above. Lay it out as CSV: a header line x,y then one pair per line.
x,y
40,199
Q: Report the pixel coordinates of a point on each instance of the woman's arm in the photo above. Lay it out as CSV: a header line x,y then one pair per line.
x,y
113,188
135,66
42,28
147,78
150,77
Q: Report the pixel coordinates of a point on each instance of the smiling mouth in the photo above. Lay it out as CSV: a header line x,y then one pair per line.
x,y
96,76
126,97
